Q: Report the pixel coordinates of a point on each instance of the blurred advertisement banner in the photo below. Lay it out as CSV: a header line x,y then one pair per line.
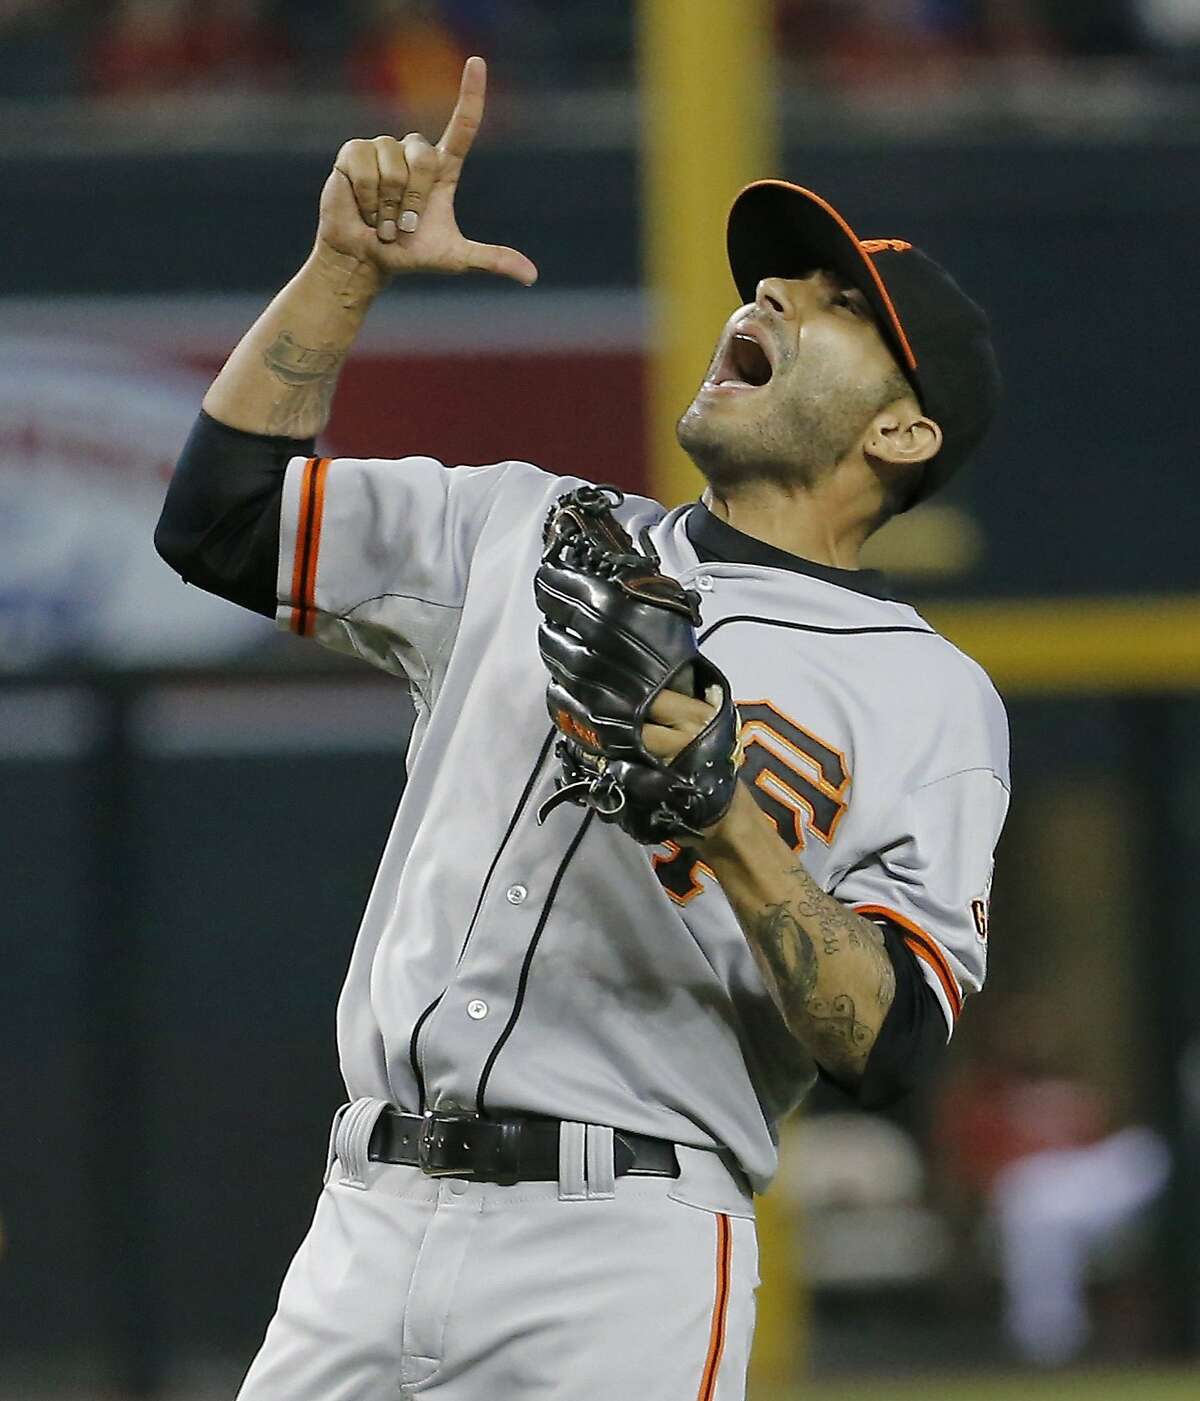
x,y
89,435
97,395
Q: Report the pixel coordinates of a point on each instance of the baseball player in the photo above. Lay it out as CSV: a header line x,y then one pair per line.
x,y
568,1043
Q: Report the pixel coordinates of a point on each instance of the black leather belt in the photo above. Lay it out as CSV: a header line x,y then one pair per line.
x,y
505,1151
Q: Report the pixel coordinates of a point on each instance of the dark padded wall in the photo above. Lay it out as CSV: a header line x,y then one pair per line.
x,y
174,1071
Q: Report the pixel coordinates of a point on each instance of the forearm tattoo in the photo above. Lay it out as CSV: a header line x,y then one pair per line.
x,y
310,377
800,945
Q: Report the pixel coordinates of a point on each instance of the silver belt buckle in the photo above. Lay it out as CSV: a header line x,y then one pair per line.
x,y
433,1150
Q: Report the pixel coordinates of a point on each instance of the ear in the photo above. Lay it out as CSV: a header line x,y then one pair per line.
x,y
902,435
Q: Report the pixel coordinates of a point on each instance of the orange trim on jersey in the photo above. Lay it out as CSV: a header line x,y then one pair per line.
x,y
318,517
697,866
301,537
807,767
716,1333
926,949
308,541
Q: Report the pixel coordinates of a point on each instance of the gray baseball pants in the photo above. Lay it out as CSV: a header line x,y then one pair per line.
x,y
577,1290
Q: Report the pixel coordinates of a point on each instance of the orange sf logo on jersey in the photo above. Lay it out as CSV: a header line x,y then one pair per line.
x,y
799,780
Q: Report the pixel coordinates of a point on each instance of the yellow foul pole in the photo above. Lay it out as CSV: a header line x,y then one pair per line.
x,y
708,128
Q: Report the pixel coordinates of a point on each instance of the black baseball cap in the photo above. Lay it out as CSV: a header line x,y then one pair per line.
x,y
939,336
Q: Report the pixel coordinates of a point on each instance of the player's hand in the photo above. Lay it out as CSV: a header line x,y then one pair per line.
x,y
391,203
673,721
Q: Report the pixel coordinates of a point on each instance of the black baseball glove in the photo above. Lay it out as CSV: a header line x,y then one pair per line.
x,y
618,631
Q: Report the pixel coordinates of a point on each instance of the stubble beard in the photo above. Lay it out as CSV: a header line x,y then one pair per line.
x,y
797,442
798,452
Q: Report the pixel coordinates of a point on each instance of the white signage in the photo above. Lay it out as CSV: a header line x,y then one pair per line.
x,y
89,435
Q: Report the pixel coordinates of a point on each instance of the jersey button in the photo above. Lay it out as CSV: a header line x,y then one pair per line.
x,y
705,582
515,894
477,1009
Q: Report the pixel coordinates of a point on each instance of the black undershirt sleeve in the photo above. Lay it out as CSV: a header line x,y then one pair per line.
x,y
912,1039
219,527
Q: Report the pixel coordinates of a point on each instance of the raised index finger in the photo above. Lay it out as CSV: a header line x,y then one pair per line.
x,y
466,118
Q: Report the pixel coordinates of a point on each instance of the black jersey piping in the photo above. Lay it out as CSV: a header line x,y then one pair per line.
x,y
414,1058
810,627
414,1041
527,963
512,822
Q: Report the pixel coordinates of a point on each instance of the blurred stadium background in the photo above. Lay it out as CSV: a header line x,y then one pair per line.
x,y
191,806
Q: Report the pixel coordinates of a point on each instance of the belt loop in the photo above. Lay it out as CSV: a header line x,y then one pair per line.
x,y
352,1138
331,1156
572,1183
601,1170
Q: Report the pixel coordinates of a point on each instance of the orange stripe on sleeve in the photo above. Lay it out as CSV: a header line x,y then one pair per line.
x,y
318,515
716,1332
302,532
308,539
926,948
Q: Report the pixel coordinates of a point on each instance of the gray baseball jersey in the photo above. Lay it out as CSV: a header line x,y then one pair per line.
x,y
564,970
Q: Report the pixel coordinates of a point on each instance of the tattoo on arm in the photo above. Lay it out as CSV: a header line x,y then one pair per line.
x,y
837,1029
885,993
310,377
824,1017
791,960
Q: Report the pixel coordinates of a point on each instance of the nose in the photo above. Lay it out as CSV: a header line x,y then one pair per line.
x,y
787,297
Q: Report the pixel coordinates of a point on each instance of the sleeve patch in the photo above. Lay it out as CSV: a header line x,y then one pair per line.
x,y
981,907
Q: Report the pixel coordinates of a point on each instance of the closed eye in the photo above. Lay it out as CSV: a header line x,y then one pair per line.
x,y
852,300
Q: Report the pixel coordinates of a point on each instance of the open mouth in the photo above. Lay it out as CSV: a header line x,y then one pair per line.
x,y
744,365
